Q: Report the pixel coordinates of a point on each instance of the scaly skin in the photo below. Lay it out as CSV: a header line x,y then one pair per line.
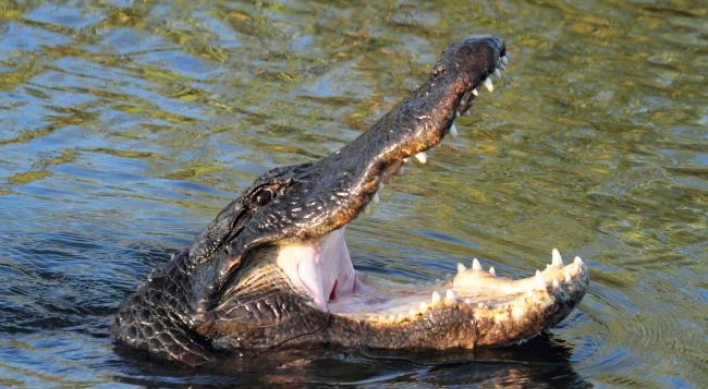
x,y
226,293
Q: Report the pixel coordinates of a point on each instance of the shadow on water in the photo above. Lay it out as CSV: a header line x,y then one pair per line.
x,y
543,362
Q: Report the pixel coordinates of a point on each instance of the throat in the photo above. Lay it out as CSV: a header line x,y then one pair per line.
x,y
321,268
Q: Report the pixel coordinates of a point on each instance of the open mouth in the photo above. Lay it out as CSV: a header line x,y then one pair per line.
x,y
273,270
322,270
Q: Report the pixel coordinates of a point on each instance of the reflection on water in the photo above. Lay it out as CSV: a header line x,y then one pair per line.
x,y
125,126
540,363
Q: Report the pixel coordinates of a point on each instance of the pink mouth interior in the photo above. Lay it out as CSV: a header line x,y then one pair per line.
x,y
322,268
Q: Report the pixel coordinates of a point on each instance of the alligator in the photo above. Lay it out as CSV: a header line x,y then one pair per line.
x,y
272,271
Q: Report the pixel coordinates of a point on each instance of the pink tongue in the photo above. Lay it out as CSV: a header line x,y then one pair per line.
x,y
325,269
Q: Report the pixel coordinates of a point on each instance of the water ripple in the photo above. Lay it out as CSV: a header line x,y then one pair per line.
x,y
125,126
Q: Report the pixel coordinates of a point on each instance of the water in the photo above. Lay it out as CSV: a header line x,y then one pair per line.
x,y
126,126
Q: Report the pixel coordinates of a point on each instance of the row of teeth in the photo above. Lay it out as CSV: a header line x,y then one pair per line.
x,y
422,157
540,281
452,298
556,260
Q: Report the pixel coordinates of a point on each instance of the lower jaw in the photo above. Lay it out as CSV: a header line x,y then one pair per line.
x,y
480,310
473,308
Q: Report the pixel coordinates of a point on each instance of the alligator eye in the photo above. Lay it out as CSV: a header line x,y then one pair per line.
x,y
264,197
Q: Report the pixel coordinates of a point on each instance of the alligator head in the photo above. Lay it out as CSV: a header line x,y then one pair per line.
x,y
273,270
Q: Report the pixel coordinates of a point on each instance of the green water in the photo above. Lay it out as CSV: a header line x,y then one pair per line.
x,y
125,126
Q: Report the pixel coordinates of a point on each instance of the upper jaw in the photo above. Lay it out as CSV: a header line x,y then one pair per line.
x,y
355,172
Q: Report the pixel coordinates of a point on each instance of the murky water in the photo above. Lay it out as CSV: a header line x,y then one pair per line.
x,y
126,126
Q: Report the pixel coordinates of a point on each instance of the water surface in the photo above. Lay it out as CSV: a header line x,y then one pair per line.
x,y
126,126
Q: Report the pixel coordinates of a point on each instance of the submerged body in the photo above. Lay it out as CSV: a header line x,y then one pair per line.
x,y
273,270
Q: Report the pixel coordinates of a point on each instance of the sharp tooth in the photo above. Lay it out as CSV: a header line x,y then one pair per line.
x,y
497,72
475,92
453,130
578,262
568,279
504,60
540,281
488,84
492,271
457,114
468,301
557,260
423,306
435,298
450,295
461,268
501,66
405,160
376,197
476,265
422,157
555,283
